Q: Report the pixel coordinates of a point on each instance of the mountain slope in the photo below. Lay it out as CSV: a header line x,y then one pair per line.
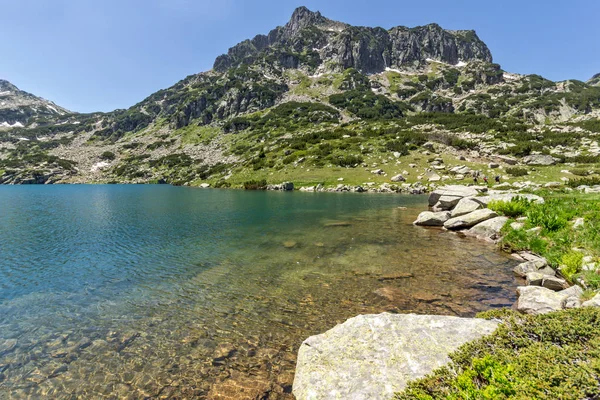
x,y
19,108
314,101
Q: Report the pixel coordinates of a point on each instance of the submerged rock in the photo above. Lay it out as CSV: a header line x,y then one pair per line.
x,y
373,356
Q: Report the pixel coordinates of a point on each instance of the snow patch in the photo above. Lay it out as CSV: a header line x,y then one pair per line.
x,y
53,109
510,77
393,70
24,139
461,64
15,125
6,93
100,166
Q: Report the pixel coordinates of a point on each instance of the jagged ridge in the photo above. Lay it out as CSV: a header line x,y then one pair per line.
x,y
338,46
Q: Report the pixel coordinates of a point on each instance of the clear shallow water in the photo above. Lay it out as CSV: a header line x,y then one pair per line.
x,y
159,291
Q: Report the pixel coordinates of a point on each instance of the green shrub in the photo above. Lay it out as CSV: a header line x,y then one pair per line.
x,y
255,185
516,207
550,356
517,171
571,264
107,155
547,218
348,161
580,171
587,181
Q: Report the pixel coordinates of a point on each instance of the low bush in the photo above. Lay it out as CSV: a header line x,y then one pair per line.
x,y
517,171
571,264
550,356
107,155
516,207
255,185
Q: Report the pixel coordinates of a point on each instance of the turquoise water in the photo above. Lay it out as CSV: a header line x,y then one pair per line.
x,y
157,291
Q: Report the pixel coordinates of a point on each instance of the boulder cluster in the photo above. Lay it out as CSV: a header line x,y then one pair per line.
x,y
464,208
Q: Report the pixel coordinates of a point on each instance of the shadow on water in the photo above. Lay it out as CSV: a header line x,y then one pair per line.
x,y
155,291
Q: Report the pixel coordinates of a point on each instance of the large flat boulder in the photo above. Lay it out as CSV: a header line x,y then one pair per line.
x,y
485,200
488,230
465,206
374,356
469,220
452,190
539,159
428,218
539,300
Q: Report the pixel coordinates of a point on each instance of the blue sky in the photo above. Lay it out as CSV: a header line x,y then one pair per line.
x,y
91,55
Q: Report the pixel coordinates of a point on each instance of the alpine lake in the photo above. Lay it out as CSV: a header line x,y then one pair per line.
x,y
153,291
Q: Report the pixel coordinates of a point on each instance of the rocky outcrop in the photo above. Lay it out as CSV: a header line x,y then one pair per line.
x,y
539,159
341,46
373,356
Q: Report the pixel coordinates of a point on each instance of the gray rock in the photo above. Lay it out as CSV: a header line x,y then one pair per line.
x,y
534,279
508,160
287,186
493,165
573,296
488,230
469,220
398,178
451,190
485,200
448,202
433,177
594,302
428,218
539,159
547,271
529,266
538,300
554,283
573,291
373,356
465,206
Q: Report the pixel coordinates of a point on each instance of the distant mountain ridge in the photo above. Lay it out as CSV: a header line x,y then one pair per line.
x,y
19,108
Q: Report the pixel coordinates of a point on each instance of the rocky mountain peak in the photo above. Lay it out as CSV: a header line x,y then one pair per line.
x,y
19,108
595,81
309,40
6,86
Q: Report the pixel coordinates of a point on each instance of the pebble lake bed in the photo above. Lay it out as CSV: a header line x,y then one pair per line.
x,y
159,291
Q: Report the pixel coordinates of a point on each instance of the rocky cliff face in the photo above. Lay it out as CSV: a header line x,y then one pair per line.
x,y
19,108
313,41
595,81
